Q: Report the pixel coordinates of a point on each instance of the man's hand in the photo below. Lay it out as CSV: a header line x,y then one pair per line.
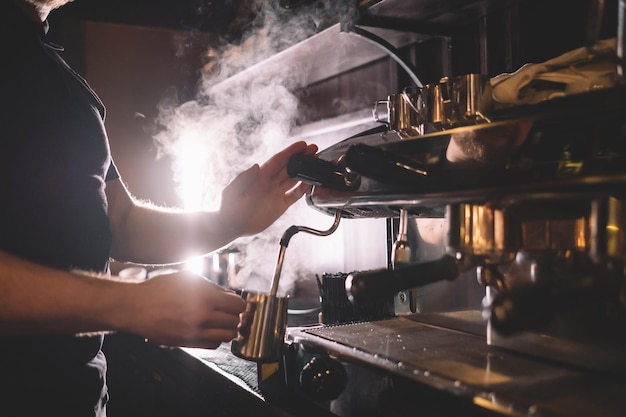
x,y
257,197
185,309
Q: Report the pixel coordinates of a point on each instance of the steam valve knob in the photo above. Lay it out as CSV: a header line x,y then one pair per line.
x,y
323,378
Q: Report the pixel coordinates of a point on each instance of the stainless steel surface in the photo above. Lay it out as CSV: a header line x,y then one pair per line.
x,y
532,204
479,231
456,101
402,115
262,328
451,102
526,171
448,352
543,226
494,232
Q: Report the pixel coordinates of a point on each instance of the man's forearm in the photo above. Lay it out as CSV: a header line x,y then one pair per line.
x,y
163,236
35,299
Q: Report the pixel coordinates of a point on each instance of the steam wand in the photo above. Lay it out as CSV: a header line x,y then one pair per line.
x,y
284,242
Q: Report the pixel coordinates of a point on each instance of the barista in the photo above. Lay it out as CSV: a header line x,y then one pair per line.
x,y
66,211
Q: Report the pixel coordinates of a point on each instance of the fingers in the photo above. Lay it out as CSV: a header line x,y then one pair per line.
x,y
274,170
290,189
219,327
231,304
221,320
276,164
296,193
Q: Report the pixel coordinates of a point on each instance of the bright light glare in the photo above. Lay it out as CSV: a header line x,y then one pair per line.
x,y
216,262
195,265
190,158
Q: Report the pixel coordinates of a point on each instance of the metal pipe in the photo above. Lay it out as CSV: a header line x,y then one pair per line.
x,y
594,24
284,242
391,51
621,12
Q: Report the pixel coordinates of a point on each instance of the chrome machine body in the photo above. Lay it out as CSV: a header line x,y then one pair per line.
x,y
515,184
535,213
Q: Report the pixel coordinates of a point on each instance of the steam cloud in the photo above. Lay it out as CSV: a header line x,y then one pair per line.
x,y
225,130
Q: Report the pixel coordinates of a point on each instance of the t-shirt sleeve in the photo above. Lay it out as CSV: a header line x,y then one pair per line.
x,y
112,172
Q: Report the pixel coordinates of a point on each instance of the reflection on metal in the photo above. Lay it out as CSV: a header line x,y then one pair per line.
x,y
262,328
479,232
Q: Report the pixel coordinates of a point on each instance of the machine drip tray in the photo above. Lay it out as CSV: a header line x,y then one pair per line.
x,y
470,321
449,352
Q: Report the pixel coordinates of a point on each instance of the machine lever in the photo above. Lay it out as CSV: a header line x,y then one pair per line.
x,y
377,284
385,166
317,171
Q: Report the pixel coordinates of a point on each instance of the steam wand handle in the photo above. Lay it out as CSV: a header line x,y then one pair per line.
x,y
284,242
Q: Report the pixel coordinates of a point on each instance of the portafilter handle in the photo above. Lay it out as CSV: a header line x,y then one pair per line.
x,y
367,286
532,306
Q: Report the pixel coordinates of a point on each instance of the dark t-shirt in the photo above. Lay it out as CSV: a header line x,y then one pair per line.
x,y
54,162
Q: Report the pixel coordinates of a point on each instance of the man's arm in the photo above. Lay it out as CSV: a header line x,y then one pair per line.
x,y
180,309
37,299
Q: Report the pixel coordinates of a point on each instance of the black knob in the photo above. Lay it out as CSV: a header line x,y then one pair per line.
x,y
323,378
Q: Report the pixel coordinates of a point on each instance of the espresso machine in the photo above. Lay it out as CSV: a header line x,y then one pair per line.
x,y
529,199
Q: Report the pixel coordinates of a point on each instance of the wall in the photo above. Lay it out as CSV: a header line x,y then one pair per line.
x,y
132,68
